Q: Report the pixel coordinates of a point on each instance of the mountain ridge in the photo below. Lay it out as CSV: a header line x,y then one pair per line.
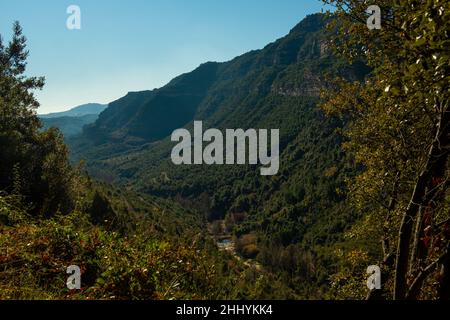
x,y
72,121
302,207
81,110
129,116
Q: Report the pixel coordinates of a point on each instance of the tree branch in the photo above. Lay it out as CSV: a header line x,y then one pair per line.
x,y
414,289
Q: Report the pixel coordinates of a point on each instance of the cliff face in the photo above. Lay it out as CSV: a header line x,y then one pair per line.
x,y
147,116
310,86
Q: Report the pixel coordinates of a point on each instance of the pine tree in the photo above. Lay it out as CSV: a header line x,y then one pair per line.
x,y
36,159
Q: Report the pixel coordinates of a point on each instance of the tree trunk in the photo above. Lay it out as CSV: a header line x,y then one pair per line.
x,y
435,164
415,253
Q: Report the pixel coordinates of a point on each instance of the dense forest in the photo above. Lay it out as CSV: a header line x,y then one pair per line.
x,y
364,167
128,245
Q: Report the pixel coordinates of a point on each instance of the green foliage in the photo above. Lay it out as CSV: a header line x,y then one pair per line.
x,y
151,260
305,241
128,245
300,209
398,132
34,164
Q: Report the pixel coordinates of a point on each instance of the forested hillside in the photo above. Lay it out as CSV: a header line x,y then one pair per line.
x,y
363,181
287,222
127,245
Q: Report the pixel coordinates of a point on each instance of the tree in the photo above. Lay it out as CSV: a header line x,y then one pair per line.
x,y
33,163
399,133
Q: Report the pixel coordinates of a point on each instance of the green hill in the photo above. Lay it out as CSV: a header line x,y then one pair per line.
x,y
300,212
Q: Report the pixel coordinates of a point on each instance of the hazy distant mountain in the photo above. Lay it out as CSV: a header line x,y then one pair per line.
x,y
71,122
69,126
85,109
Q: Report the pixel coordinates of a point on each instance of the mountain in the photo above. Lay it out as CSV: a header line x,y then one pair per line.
x,y
288,222
69,126
71,122
82,110
113,243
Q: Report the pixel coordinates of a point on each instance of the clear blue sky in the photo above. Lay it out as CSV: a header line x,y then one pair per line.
x,y
139,44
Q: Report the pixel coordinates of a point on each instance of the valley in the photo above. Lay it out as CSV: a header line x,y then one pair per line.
x,y
313,168
268,218
224,241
